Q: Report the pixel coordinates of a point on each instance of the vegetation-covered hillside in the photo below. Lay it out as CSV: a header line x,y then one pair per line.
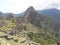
x,y
31,29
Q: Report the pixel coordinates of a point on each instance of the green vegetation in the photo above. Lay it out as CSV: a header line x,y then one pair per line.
x,y
42,37
34,33
9,25
11,41
1,43
2,34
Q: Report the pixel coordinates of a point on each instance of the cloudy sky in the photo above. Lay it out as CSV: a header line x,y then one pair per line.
x,y
18,6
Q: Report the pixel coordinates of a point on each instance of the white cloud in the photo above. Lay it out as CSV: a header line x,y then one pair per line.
x,y
17,6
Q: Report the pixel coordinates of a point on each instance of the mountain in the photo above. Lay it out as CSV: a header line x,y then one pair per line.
x,y
37,19
31,29
1,13
42,21
21,14
54,13
32,16
7,14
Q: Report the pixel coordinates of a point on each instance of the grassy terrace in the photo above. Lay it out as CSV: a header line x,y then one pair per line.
x,y
10,25
12,42
2,34
7,25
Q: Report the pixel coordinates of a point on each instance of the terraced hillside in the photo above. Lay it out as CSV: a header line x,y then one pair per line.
x,y
10,34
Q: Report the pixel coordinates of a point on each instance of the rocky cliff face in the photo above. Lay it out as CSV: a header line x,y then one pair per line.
x,y
37,19
32,16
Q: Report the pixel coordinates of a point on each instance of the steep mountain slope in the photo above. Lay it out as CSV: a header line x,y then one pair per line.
x,y
41,21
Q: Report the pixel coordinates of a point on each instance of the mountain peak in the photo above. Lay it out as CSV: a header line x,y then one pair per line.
x,y
30,12
30,9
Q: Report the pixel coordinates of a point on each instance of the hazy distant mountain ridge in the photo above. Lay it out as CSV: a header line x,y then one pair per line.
x,y
54,13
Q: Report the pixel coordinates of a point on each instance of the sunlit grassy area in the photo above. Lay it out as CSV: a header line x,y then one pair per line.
x,y
12,42
1,43
2,34
9,25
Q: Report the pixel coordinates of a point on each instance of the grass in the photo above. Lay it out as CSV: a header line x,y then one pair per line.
x,y
12,42
2,34
30,28
2,42
10,25
16,43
